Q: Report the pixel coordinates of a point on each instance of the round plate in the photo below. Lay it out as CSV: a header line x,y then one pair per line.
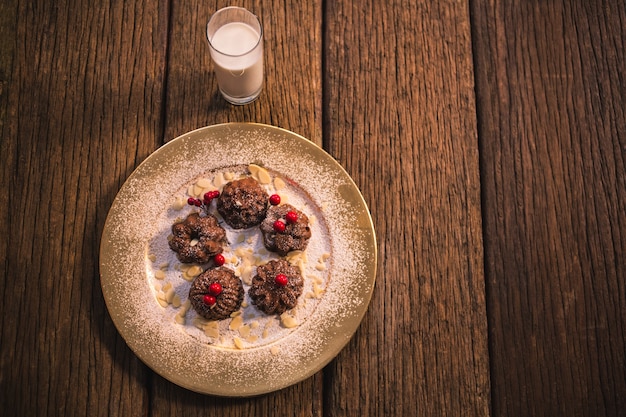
x,y
132,225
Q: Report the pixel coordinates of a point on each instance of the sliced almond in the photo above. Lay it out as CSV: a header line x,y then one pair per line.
x,y
179,203
264,176
260,174
279,184
236,323
254,169
194,271
219,181
288,321
317,290
246,274
204,182
211,329
294,256
169,295
238,342
214,333
244,331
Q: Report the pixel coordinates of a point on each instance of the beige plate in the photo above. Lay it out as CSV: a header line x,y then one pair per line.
x,y
202,367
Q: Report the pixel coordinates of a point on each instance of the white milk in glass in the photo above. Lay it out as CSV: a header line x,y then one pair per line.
x,y
238,57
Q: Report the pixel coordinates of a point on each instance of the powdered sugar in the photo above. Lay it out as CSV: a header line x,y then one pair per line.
x,y
261,353
248,327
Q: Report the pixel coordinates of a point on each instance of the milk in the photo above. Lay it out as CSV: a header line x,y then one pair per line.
x,y
237,54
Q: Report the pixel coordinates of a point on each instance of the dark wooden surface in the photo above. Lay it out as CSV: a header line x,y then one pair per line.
x,y
551,94
488,139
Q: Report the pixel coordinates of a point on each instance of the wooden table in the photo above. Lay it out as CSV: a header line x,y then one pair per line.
x,y
488,139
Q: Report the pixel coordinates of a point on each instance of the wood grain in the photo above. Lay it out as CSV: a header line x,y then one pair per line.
x,y
83,110
400,116
463,123
291,99
552,122
292,94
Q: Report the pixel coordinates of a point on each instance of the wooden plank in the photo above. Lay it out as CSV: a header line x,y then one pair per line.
x,y
302,399
400,116
83,97
291,99
292,94
552,123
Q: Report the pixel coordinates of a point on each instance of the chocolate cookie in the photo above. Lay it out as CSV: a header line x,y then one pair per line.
x,y
216,293
197,238
291,234
243,203
276,287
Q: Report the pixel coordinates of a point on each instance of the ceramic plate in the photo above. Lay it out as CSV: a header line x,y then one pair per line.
x,y
249,353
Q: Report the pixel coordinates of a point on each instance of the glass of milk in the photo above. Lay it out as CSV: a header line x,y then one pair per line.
x,y
235,40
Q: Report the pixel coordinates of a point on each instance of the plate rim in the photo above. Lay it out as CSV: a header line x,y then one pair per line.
x,y
346,335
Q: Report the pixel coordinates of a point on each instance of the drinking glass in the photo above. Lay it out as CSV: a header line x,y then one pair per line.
x,y
235,40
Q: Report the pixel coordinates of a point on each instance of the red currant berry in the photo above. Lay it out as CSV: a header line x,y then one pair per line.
x,y
279,226
291,217
209,299
281,280
197,202
219,259
208,197
215,289
191,201
274,199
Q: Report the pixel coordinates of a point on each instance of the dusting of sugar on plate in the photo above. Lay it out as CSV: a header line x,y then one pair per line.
x,y
258,353
249,328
